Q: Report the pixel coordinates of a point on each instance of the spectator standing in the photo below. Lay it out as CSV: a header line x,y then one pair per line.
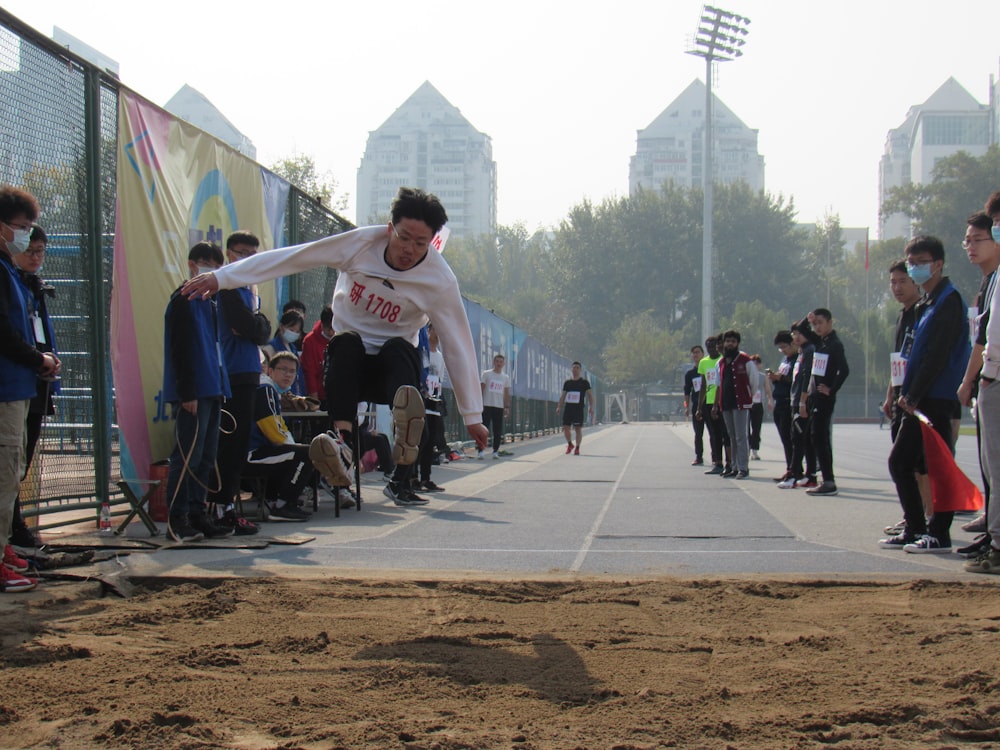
x,y
495,384
314,354
737,374
757,408
829,371
574,392
692,393
780,397
708,369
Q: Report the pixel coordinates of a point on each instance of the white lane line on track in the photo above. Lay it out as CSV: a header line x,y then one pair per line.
x,y
581,556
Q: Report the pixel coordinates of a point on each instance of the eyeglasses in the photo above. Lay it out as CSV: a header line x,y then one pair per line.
x,y
286,370
36,252
23,228
969,243
419,244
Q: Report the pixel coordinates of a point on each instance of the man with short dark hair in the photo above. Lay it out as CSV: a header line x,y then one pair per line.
x,y
574,392
708,370
243,328
389,286
988,560
829,371
779,398
496,401
21,364
692,390
734,399
934,371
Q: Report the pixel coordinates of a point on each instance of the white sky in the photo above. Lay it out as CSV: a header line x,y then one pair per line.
x,y
561,86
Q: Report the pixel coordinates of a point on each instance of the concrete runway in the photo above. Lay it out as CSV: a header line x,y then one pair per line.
x,y
630,506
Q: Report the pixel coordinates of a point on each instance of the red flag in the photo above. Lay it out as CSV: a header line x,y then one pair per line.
x,y
950,488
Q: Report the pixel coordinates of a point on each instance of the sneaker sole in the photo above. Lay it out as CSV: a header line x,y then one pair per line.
x,y
324,452
408,418
24,584
982,566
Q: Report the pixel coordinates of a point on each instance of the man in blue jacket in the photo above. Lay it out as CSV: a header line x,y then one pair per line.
x,y
195,382
934,371
21,364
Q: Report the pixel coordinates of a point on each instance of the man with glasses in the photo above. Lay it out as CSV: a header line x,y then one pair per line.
x,y
21,364
985,253
273,450
242,328
934,370
389,285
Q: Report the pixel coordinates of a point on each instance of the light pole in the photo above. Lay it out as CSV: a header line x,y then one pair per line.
x,y
719,39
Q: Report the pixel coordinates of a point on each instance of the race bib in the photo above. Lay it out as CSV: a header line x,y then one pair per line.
x,y
712,377
496,386
573,397
696,385
897,368
756,397
820,361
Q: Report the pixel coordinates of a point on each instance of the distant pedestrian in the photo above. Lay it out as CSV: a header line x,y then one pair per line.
x,y
574,392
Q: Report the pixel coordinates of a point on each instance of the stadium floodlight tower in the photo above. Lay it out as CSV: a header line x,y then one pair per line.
x,y
720,38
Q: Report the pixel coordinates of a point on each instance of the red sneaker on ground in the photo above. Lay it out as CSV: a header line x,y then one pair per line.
x,y
576,451
12,561
12,582
569,449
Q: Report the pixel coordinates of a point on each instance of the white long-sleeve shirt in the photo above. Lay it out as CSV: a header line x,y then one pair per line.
x,y
379,302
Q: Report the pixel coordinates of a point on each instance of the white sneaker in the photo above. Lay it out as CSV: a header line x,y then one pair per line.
x,y
496,456
479,455
754,455
787,484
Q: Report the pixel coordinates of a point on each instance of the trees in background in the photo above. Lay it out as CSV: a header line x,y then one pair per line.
x,y
300,170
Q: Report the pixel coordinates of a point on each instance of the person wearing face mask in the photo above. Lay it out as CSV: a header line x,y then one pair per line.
x,y
29,264
934,371
286,340
195,381
21,364
273,450
313,351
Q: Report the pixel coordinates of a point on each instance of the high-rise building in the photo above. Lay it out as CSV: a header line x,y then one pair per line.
x,y
427,143
670,148
951,120
194,107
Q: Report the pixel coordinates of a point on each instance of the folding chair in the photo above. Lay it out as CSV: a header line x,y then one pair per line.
x,y
138,504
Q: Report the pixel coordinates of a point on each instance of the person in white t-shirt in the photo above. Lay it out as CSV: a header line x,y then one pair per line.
x,y
389,285
496,401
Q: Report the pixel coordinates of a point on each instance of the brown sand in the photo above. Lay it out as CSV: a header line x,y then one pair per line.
x,y
268,663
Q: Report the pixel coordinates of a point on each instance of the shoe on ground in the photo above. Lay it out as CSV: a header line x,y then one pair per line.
x,y
698,462
332,458
975,526
12,561
807,482
897,528
896,541
23,537
202,522
403,496
928,544
455,456
742,475
827,488
754,456
503,452
787,475
345,498
179,529
408,419
496,456
288,512
716,469
787,484
979,545
12,581
479,455
428,485
239,525
987,562
728,473
576,451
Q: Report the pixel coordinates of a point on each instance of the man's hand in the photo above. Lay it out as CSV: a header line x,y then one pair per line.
x,y
203,285
191,407
905,405
50,366
823,389
480,434
887,408
965,394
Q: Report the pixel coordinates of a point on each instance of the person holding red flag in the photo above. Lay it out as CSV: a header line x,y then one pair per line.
x,y
934,370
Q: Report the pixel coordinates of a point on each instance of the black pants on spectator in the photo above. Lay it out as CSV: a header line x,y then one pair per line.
x,y
232,454
493,419
783,423
699,438
821,430
756,421
715,432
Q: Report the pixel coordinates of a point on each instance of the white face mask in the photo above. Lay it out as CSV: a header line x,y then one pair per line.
x,y
22,238
206,269
290,337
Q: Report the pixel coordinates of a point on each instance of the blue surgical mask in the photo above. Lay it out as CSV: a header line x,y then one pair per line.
x,y
279,389
995,231
920,274
290,337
